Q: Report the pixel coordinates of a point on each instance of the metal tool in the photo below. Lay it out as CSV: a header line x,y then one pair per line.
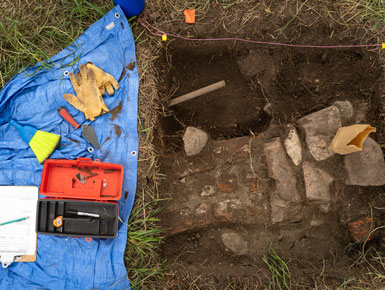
x,y
81,213
81,178
88,131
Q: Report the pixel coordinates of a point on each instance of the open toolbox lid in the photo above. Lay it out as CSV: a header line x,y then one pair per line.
x,y
82,179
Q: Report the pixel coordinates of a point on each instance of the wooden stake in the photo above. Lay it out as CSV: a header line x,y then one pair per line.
x,y
197,93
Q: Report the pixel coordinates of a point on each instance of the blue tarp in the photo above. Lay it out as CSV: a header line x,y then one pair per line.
x,y
32,97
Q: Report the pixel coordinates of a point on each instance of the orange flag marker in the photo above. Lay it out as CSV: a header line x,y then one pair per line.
x,y
189,15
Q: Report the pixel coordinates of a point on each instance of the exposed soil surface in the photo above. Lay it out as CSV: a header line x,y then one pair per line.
x,y
266,89
228,112
295,82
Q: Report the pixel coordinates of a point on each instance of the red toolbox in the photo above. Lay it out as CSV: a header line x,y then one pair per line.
x,y
82,198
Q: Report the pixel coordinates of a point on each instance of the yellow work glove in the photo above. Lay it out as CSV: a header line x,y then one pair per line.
x,y
104,80
350,139
88,98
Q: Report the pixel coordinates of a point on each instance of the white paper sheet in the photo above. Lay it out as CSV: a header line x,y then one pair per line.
x,y
18,238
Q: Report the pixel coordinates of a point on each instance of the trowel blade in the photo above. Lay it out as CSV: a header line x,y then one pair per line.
x,y
90,135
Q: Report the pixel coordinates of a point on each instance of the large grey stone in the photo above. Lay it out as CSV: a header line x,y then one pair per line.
x,y
234,243
279,209
366,167
293,145
317,183
320,128
346,110
282,210
194,140
280,170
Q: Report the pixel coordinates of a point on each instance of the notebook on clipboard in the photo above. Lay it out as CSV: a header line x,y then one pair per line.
x,y
18,238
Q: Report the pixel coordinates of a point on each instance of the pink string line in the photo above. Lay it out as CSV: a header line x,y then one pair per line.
x,y
150,28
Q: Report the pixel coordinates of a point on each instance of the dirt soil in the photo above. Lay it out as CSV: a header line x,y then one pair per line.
x,y
266,88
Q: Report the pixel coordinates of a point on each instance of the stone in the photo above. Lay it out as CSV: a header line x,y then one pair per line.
x,y
202,209
208,190
194,140
366,167
234,243
346,110
293,146
268,109
252,64
228,209
360,115
278,210
282,210
320,128
316,222
280,170
317,183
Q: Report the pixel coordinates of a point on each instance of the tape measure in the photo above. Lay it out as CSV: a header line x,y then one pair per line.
x,y
58,222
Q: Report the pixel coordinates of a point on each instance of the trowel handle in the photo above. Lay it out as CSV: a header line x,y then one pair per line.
x,y
66,116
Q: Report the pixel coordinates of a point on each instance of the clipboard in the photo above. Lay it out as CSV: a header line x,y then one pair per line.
x,y
28,258
18,202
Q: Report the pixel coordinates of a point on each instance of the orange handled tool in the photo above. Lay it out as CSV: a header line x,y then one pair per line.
x,y
66,116
88,131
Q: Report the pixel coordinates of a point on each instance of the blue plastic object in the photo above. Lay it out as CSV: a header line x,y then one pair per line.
x,y
131,7
32,97
26,132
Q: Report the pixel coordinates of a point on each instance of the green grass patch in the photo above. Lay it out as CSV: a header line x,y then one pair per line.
x,y
143,239
31,32
280,273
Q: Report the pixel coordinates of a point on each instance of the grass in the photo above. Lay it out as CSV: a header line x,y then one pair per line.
x,y
33,31
367,15
143,238
280,273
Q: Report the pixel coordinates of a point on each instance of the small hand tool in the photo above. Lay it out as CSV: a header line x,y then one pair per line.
x,y
81,213
88,131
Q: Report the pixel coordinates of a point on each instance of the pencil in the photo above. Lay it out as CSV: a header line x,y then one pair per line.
x,y
14,221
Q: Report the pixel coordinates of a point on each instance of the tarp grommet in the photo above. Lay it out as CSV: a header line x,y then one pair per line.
x,y
66,73
133,153
117,15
